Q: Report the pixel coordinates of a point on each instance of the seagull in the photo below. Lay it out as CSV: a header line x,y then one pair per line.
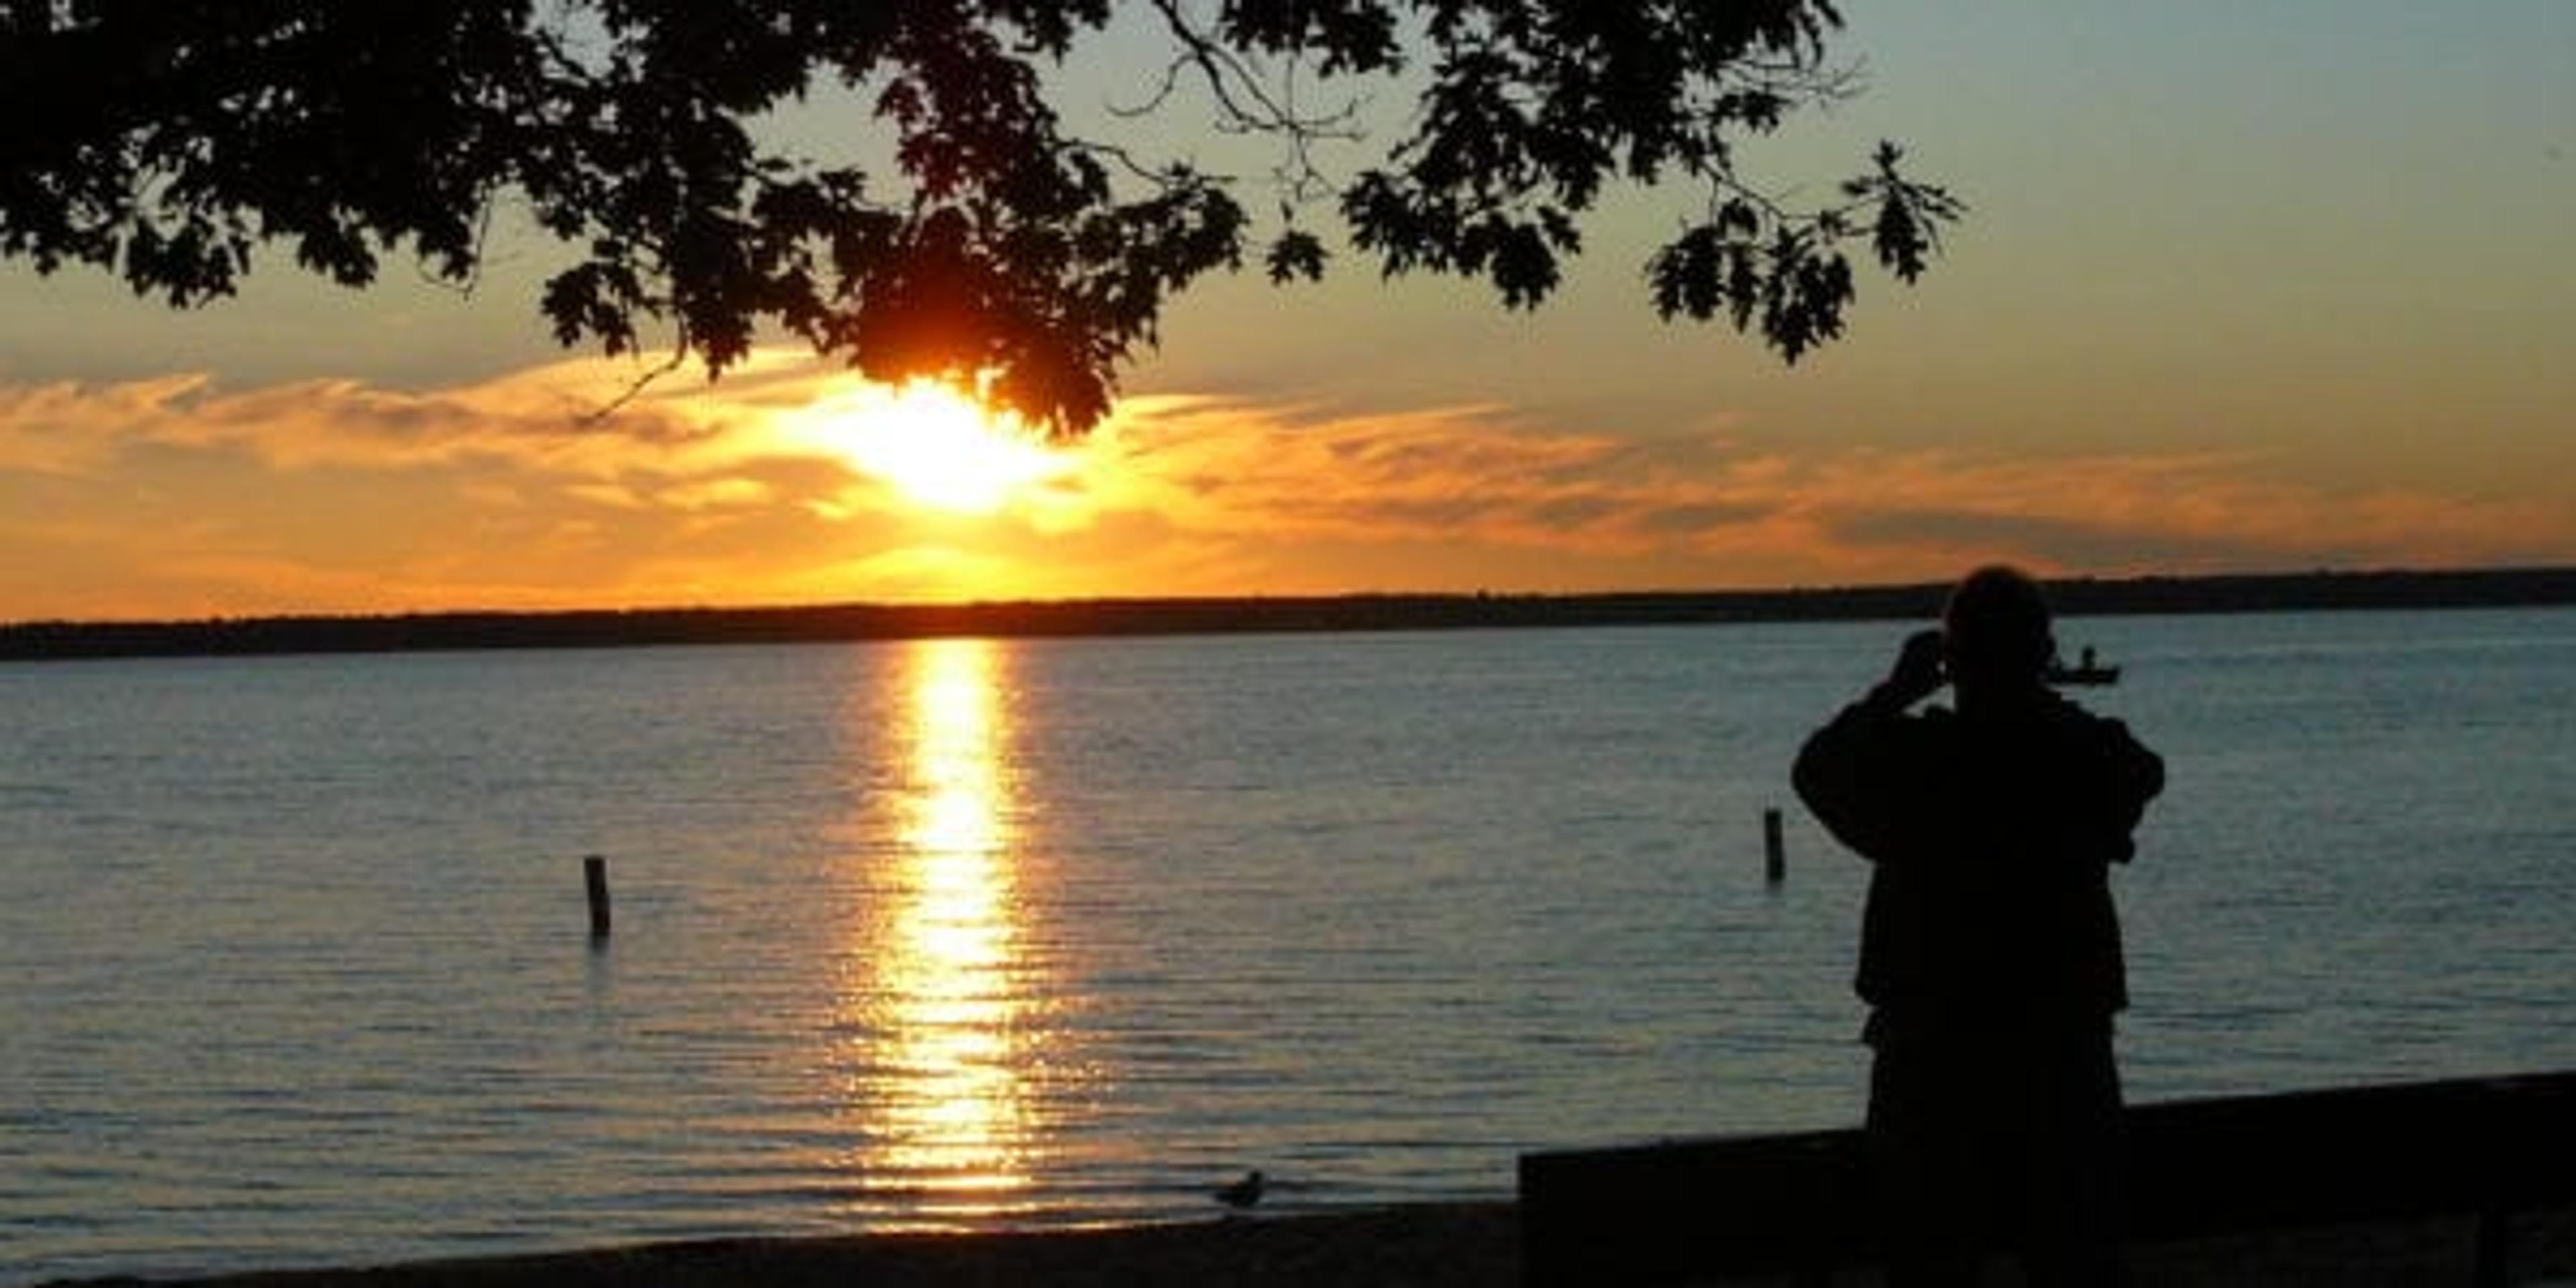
x,y
1243,1193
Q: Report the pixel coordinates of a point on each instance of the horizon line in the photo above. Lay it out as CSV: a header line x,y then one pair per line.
x,y
470,629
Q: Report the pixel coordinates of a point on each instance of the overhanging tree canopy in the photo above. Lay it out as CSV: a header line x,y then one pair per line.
x,y
170,141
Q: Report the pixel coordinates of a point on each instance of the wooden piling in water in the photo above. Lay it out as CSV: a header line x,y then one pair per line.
x,y
1775,855
594,873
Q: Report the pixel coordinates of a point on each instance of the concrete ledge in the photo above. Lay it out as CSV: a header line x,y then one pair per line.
x,y
1798,1202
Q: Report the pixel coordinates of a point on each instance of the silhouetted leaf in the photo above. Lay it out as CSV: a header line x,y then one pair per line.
x,y
1296,254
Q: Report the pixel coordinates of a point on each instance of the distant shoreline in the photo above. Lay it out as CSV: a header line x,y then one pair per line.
x,y
609,628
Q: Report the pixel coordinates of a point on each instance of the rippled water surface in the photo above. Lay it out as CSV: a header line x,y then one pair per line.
x,y
294,965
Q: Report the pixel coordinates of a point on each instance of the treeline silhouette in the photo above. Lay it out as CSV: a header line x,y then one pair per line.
x,y
223,637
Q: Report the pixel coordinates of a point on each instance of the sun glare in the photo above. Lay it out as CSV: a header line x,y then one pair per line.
x,y
936,446
946,1077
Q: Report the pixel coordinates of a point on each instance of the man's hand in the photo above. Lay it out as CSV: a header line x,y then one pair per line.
x,y
1919,671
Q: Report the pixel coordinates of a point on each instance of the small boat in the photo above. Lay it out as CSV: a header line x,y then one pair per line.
x,y
2088,670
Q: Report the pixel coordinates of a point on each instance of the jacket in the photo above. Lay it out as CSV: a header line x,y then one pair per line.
x,y
1991,837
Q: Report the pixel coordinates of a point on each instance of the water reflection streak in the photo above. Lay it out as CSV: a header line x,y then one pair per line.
x,y
940,993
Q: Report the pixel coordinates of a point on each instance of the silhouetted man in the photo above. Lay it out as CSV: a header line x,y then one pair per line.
x,y
1990,951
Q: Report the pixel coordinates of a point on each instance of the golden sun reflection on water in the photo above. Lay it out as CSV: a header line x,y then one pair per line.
x,y
945,1007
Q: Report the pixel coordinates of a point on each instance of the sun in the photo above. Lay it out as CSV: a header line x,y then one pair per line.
x,y
937,446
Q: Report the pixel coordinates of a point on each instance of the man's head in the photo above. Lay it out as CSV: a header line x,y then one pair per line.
x,y
1996,631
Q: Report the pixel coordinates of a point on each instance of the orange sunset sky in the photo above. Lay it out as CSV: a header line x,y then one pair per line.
x,y
2242,287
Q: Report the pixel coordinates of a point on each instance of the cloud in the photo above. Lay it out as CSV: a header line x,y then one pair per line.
x,y
1437,474
176,496
2209,511
1719,512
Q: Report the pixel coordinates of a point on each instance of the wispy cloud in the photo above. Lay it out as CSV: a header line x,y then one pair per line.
x,y
1720,511
2135,513
176,496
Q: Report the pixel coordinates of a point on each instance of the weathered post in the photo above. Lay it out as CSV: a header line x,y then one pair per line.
x,y
594,873
1775,856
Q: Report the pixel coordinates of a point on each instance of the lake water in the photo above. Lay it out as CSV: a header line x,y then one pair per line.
x,y
294,962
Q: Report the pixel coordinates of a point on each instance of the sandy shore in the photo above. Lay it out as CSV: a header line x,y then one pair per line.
x,y
1475,1245
1432,1244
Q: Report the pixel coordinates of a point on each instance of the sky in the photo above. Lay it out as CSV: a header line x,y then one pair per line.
x,y
2243,287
